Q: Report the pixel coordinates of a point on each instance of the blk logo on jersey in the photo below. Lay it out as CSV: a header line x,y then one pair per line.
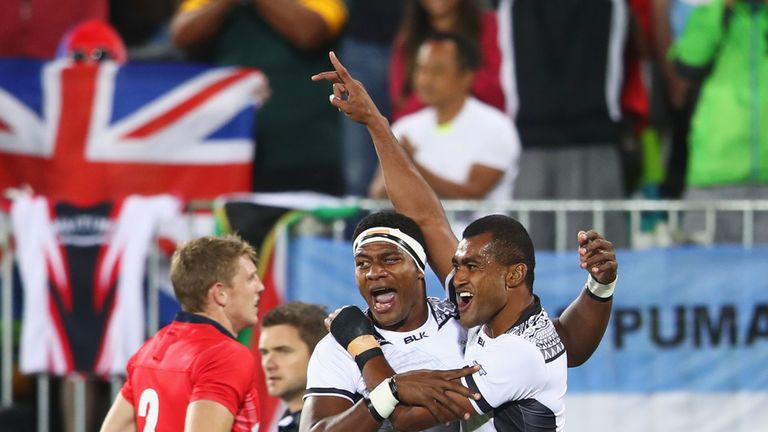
x,y
480,341
415,338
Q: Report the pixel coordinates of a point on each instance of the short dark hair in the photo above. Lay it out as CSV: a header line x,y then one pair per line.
x,y
467,52
391,219
511,243
307,318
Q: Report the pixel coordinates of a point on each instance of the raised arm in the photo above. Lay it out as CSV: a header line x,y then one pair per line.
x,y
582,325
585,320
407,189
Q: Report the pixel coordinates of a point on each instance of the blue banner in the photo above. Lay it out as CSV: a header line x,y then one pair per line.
x,y
691,319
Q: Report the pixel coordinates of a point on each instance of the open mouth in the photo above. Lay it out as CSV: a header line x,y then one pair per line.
x,y
383,299
464,299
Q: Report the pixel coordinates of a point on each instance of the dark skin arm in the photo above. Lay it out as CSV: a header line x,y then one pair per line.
x,y
430,389
426,397
582,324
596,255
327,413
303,27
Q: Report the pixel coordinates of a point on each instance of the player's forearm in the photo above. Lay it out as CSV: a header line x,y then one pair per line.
x,y
582,325
356,418
412,196
303,27
407,418
408,190
191,28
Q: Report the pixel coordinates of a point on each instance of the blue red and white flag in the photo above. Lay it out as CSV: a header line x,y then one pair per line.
x,y
88,133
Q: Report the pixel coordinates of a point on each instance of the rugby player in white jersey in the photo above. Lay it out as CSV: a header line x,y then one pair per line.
x,y
390,278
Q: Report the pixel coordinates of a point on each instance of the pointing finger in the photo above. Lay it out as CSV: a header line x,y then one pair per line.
x,y
342,71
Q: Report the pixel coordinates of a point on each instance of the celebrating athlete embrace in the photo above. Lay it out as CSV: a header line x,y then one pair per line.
x,y
518,352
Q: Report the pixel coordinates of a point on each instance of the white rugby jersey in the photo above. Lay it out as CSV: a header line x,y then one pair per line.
x,y
524,374
438,344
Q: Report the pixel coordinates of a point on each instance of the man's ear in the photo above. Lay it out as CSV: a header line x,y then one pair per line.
x,y
516,275
217,294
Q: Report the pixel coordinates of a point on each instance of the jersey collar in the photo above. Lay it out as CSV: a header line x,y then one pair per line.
x,y
193,318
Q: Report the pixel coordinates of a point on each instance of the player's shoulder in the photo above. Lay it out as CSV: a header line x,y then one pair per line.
x,y
538,330
225,348
443,310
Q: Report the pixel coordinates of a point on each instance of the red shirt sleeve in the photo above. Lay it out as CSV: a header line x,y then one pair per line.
x,y
225,374
127,389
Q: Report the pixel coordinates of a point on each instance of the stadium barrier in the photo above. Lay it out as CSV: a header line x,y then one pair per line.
x,y
724,325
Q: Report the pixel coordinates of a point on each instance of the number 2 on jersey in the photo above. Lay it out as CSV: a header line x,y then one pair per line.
x,y
149,407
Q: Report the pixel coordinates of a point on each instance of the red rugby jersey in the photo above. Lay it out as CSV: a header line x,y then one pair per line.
x,y
193,358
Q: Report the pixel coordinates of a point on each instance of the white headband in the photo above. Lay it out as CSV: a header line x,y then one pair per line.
x,y
396,237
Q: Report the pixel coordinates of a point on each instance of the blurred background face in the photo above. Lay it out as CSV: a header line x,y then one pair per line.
x,y
92,42
440,8
439,79
284,357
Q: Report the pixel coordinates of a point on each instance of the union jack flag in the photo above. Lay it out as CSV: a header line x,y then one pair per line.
x,y
89,133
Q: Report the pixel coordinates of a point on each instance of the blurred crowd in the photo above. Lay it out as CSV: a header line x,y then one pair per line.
x,y
493,99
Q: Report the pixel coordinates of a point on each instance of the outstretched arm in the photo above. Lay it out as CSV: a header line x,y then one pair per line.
x,y
583,323
407,189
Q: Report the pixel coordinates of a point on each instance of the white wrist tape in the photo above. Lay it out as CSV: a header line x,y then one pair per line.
x,y
382,399
601,290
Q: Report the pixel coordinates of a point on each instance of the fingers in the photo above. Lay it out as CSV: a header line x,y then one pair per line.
x,y
586,237
456,387
331,76
329,319
342,71
439,412
592,259
449,408
340,90
459,373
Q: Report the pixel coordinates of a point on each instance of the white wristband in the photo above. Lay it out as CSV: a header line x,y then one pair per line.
x,y
601,290
382,399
